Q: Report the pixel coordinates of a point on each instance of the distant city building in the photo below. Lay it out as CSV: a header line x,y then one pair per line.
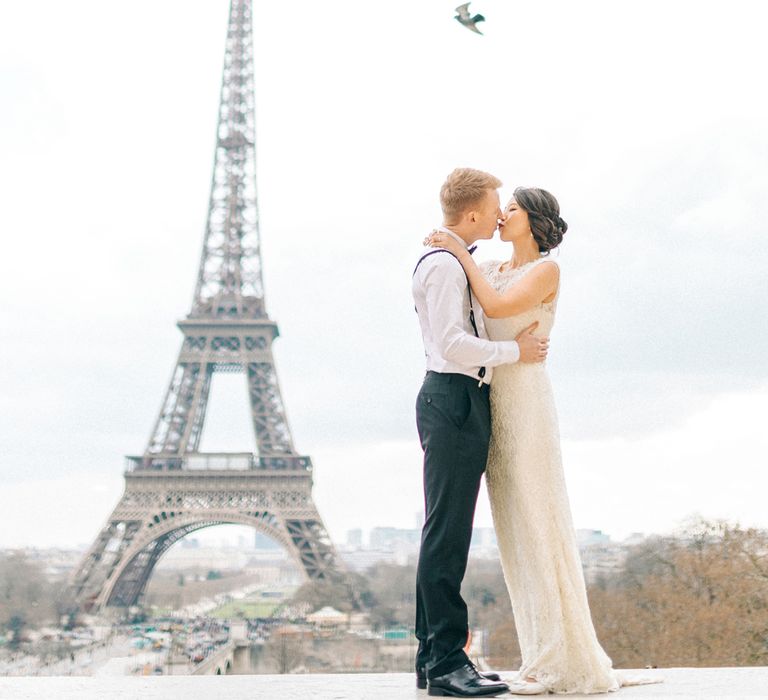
x,y
328,620
633,539
269,563
601,556
203,557
483,543
56,562
587,538
387,538
401,546
285,574
355,538
361,560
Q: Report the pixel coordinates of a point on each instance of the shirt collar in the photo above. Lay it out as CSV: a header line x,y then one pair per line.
x,y
453,235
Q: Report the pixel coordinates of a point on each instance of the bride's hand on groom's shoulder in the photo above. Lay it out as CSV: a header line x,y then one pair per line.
x,y
440,240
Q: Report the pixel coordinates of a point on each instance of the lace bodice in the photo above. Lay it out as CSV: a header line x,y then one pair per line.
x,y
508,328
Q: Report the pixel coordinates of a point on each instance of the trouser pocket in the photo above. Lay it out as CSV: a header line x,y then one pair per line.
x,y
452,407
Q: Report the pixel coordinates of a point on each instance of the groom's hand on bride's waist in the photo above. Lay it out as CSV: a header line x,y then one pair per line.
x,y
532,348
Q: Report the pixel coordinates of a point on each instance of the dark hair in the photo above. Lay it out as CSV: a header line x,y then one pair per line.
x,y
547,226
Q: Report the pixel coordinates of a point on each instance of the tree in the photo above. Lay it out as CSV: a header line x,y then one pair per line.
x,y
697,599
27,598
15,626
286,648
392,595
320,593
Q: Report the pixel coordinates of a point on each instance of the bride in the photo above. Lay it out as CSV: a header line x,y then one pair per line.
x,y
524,474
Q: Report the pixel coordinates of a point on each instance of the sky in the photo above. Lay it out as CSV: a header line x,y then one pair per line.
x,y
646,120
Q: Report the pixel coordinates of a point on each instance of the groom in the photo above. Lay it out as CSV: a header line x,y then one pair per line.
x,y
453,420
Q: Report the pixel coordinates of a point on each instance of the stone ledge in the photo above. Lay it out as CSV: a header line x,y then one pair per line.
x,y
747,682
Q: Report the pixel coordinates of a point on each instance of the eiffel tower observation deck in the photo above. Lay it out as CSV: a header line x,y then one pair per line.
x,y
173,489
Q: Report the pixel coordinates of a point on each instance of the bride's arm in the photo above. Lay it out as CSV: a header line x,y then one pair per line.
x,y
536,286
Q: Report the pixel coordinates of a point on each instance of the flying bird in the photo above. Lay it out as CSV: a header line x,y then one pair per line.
x,y
463,17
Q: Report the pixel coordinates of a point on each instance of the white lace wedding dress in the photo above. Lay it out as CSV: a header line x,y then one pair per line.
x,y
532,517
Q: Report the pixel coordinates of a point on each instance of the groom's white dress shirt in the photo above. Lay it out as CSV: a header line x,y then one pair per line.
x,y
441,294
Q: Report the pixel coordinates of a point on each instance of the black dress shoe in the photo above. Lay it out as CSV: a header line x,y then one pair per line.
x,y
465,682
421,677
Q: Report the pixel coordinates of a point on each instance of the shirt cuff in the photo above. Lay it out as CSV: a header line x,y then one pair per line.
x,y
513,350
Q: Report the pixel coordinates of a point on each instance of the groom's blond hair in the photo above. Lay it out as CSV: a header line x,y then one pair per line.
x,y
465,188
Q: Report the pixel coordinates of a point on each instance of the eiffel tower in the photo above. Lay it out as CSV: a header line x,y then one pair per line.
x,y
173,489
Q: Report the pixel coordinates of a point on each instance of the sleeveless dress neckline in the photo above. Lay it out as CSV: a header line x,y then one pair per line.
x,y
501,279
519,267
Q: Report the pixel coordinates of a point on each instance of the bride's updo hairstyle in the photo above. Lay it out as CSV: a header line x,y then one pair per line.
x,y
547,226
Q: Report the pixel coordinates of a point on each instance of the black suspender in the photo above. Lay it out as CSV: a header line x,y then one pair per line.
x,y
481,371
433,252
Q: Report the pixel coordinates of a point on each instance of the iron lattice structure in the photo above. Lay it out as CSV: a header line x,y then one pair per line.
x,y
173,489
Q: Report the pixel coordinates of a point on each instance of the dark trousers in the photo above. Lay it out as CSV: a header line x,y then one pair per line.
x,y
454,422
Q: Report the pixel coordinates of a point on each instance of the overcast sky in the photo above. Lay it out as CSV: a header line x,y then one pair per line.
x,y
646,120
